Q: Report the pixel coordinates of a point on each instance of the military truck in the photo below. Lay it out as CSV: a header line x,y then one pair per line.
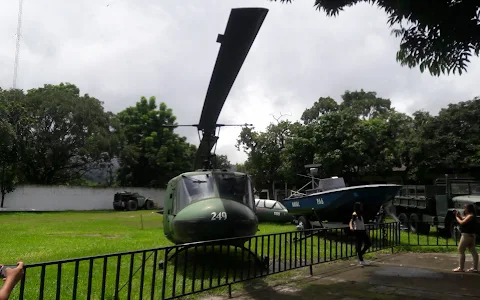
x,y
131,201
417,207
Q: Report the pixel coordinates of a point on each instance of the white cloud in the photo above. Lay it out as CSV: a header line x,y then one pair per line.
x,y
167,49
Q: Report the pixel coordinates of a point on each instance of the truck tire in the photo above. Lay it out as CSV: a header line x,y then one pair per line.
x,y
304,223
132,205
149,205
414,224
424,228
403,220
454,231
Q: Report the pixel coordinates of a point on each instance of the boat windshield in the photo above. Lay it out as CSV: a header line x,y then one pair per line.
x,y
235,187
194,188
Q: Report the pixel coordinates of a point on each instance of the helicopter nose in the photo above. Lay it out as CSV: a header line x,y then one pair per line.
x,y
214,219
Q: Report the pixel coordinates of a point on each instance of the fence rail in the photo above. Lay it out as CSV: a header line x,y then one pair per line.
x,y
181,270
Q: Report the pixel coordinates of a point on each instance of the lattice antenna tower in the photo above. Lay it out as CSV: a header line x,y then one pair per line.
x,y
17,49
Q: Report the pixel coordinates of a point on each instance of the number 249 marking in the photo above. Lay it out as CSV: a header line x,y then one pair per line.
x,y
219,216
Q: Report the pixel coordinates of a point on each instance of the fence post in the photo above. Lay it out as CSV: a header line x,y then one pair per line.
x,y
394,233
399,234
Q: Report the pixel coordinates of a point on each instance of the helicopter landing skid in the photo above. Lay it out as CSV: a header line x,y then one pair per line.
x,y
262,262
321,233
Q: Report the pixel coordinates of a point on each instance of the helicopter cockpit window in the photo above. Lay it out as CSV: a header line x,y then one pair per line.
x,y
270,204
194,188
234,187
279,205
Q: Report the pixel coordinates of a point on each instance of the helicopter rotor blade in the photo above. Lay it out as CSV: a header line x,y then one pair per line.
x,y
242,28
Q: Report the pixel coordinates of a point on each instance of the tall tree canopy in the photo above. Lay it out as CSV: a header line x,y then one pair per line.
x,y
12,120
439,35
66,135
222,162
8,159
151,152
362,136
58,133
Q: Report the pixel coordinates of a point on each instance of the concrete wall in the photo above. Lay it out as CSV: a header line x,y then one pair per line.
x,y
47,198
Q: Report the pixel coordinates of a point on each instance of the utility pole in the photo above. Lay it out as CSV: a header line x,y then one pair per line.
x,y
17,50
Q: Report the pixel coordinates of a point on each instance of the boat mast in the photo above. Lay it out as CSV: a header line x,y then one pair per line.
x,y
313,168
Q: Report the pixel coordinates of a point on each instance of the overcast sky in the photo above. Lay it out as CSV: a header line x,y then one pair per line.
x,y
120,50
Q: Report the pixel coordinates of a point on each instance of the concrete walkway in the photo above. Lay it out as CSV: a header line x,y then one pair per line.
x,y
394,276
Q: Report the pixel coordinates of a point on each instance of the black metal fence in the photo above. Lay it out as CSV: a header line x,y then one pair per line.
x,y
171,272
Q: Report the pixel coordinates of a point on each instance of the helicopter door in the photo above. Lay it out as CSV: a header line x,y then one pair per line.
x,y
168,210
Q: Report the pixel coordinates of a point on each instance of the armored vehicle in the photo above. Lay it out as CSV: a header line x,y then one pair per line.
x,y
131,201
417,207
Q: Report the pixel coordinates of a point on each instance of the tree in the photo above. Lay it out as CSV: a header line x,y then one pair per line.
x,y
151,152
447,143
366,105
433,39
264,150
401,129
319,108
222,162
354,138
299,150
67,134
12,121
8,159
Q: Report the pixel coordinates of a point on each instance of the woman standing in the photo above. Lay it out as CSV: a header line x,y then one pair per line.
x,y
468,239
357,225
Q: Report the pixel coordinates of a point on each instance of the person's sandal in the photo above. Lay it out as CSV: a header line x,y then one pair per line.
x,y
472,270
457,270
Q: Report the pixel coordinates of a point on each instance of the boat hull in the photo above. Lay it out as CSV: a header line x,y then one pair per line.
x,y
337,205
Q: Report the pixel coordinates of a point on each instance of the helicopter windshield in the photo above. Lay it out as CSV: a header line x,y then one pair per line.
x,y
235,187
194,188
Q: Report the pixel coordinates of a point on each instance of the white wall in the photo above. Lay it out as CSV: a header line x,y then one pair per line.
x,y
46,198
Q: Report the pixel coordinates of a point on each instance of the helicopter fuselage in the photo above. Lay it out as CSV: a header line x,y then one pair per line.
x,y
209,205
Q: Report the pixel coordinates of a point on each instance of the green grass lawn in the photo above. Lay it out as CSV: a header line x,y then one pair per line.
x,y
40,237
43,237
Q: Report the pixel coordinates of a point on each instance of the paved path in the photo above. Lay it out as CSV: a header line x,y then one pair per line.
x,y
397,276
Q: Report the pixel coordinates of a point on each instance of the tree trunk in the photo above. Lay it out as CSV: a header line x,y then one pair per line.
x,y
3,199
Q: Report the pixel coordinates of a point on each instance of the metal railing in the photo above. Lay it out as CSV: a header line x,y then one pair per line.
x,y
181,270
429,234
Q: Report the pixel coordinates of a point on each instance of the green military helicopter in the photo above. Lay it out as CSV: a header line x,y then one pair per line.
x,y
211,204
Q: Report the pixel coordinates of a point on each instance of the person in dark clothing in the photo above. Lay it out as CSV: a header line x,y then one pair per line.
x,y
357,225
468,239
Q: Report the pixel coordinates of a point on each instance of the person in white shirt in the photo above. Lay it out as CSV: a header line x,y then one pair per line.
x,y
357,225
